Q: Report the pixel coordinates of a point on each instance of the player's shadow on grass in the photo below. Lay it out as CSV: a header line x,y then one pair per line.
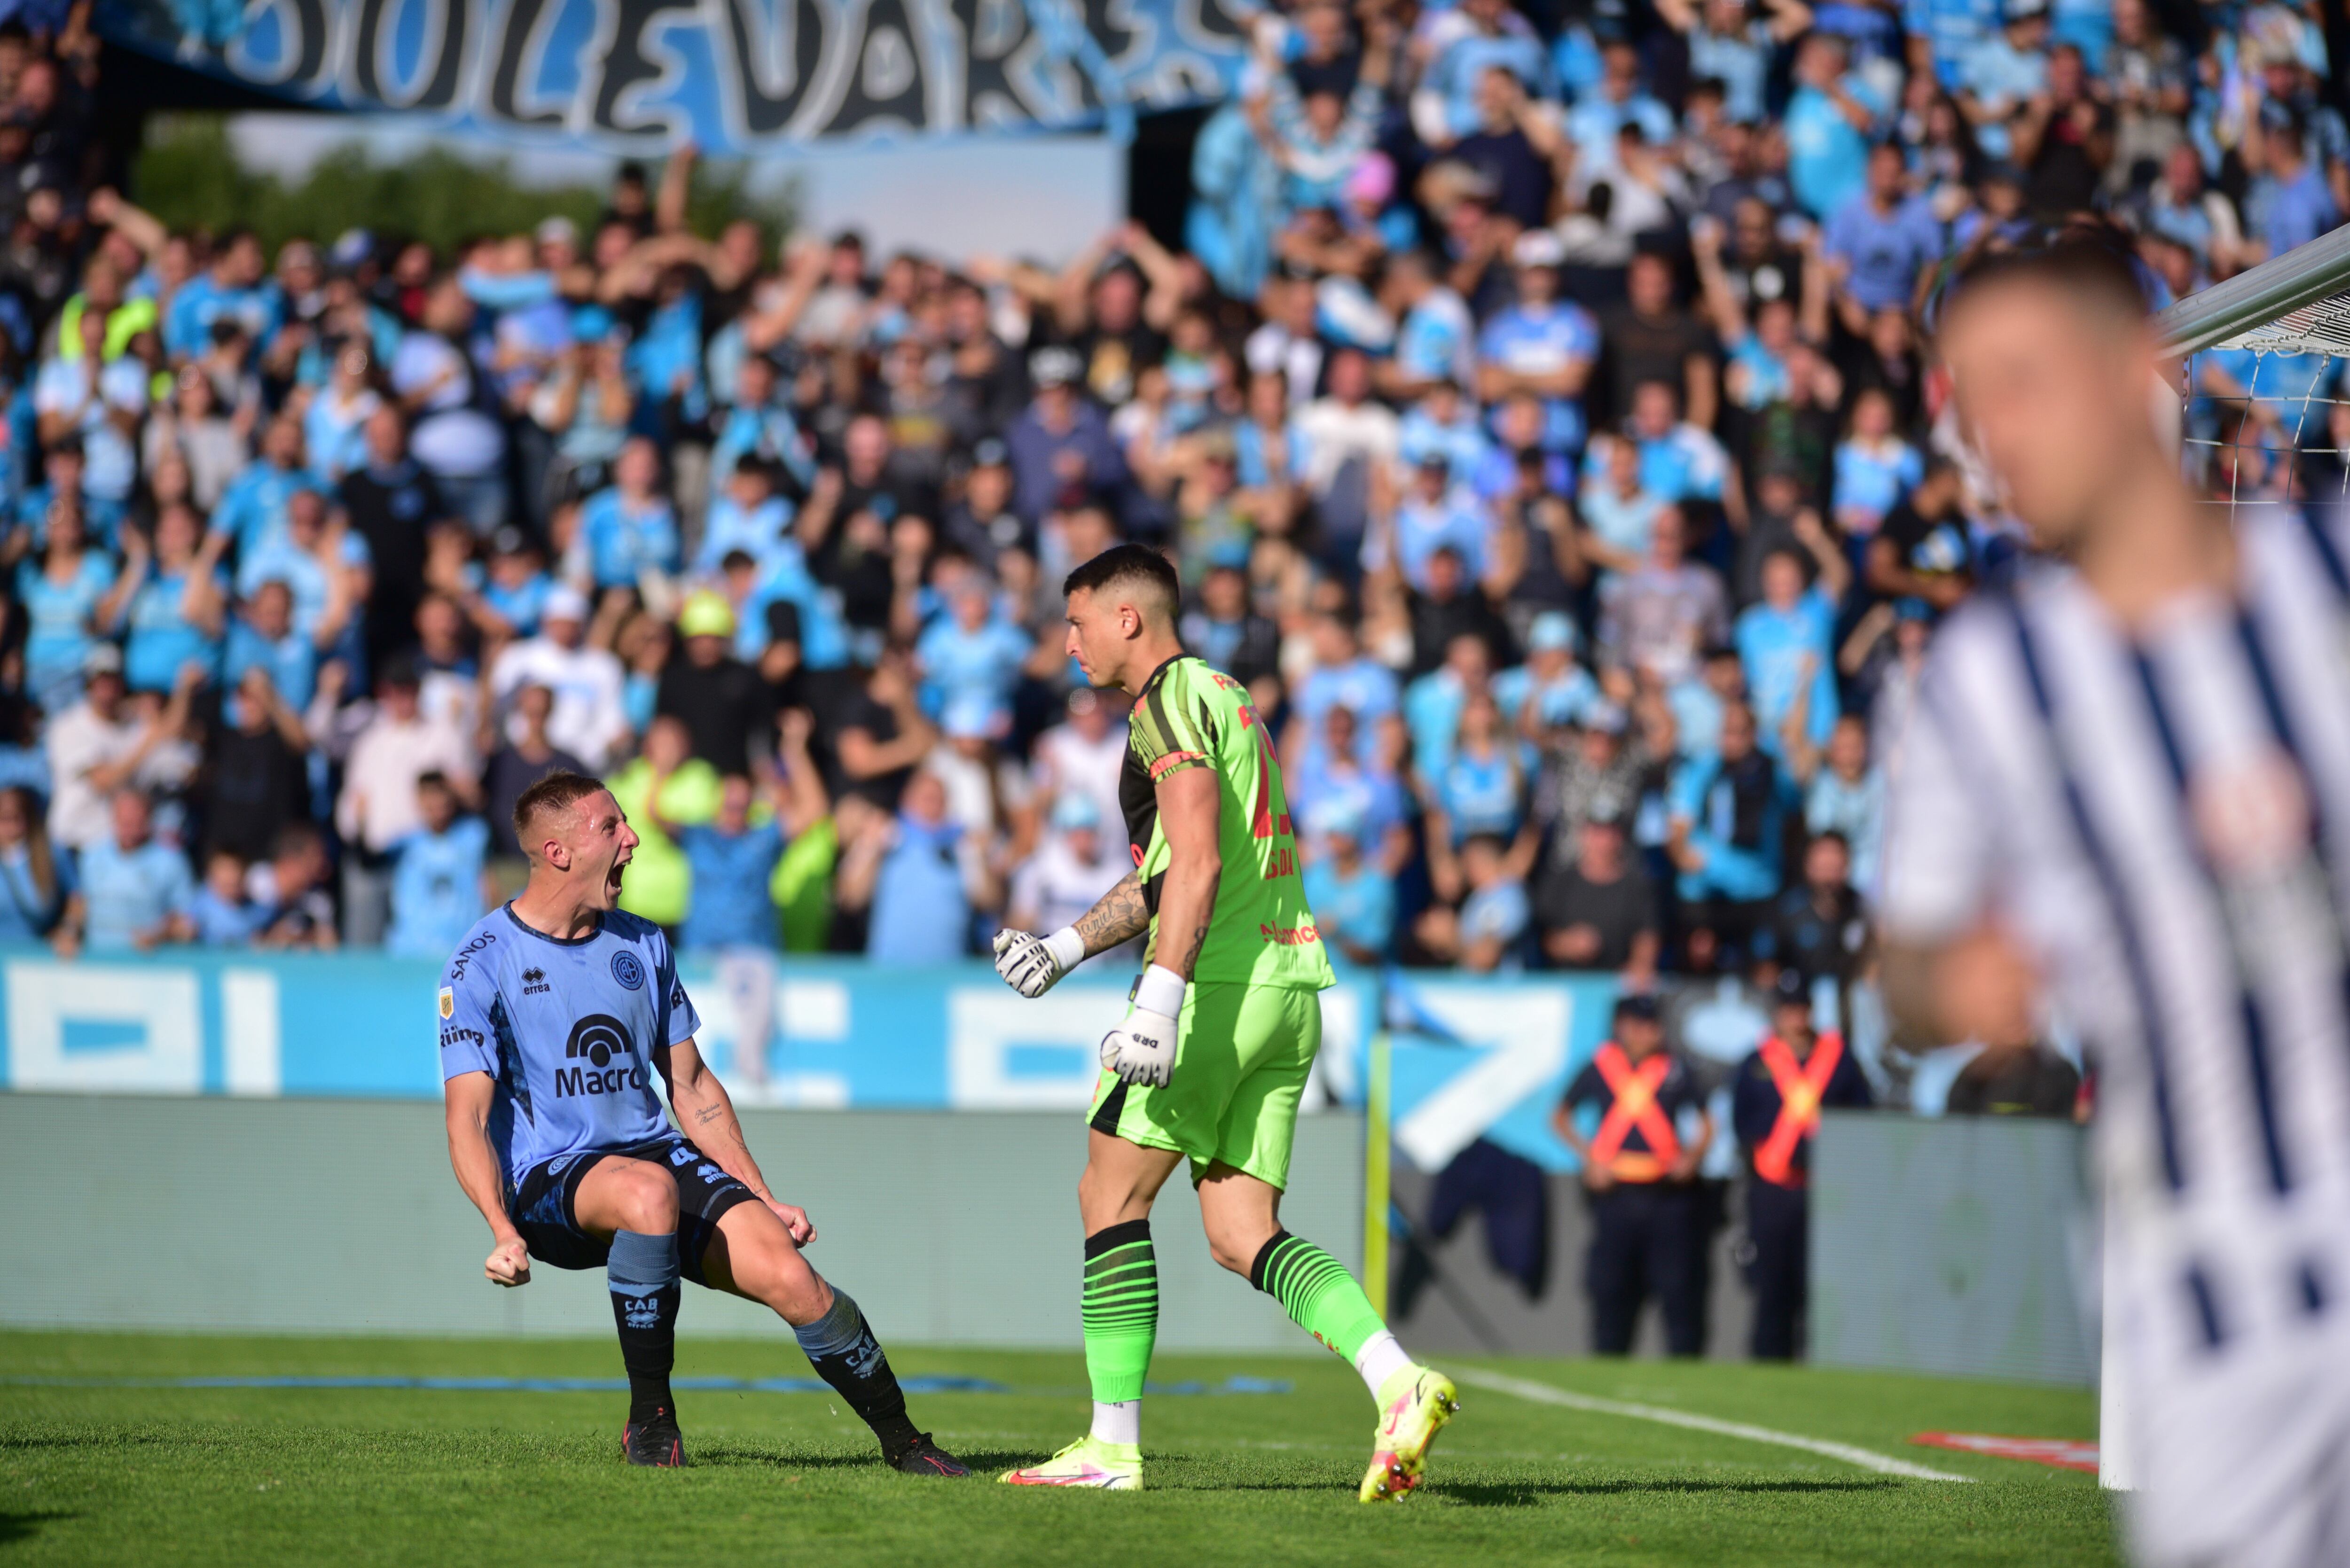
x,y
1531,1494
15,1526
11,1441
773,1459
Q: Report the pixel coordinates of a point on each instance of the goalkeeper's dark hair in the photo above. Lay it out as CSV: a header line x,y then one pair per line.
x,y
1134,565
2088,257
558,791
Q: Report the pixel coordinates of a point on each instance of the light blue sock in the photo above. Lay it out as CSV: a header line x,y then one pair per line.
x,y
639,1264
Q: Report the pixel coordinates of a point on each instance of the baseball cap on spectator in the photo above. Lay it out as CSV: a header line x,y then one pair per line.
x,y
558,230
2276,115
782,621
1334,819
564,604
1054,367
351,250
2022,10
1448,180
1335,77
1349,315
705,614
509,541
103,659
1912,608
590,322
1073,811
1791,990
1605,717
1636,1004
401,673
1552,630
1539,247
973,716
990,453
1372,181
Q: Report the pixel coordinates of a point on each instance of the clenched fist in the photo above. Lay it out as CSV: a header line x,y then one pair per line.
x,y
1032,964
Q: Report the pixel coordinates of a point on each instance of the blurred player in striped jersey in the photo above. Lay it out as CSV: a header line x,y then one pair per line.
x,y
2128,782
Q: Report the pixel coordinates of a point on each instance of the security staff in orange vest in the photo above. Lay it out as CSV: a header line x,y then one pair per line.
x,y
1641,1174
1775,1109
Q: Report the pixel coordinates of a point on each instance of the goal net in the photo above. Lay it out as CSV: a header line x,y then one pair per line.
x,y
2266,412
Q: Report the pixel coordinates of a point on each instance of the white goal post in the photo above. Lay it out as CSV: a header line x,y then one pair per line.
x,y
2298,303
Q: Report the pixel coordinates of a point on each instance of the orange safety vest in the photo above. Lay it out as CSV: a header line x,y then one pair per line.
x,y
1634,1089
1800,1086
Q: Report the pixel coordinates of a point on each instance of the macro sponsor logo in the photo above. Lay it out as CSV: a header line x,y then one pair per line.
x,y
460,1036
601,1042
1290,936
534,981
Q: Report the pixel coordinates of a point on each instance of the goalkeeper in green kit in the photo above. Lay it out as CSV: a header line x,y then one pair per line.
x,y
1212,1056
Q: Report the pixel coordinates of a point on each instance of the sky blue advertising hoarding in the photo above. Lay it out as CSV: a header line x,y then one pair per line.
x,y
1471,1058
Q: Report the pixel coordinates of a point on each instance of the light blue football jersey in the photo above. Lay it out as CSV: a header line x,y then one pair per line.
x,y
567,1029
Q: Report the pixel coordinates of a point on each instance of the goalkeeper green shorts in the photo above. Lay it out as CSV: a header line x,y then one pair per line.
x,y
1242,1054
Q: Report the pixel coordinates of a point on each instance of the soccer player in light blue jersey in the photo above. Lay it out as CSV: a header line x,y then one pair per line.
x,y
557,1013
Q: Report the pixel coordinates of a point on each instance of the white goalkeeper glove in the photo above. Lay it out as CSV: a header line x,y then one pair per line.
x,y
1141,1050
1030,965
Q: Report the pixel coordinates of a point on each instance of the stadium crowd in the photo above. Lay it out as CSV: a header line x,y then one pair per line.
x,y
1536,409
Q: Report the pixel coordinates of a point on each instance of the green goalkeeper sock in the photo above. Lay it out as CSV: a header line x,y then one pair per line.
x,y
1121,1319
1318,1292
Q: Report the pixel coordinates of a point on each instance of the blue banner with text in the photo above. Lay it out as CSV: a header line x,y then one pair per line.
x,y
739,78
1471,1058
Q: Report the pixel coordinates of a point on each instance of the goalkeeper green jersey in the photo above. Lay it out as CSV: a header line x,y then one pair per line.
x,y
1192,716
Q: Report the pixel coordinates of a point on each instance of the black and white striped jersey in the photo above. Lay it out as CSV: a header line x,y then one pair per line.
x,y
2163,817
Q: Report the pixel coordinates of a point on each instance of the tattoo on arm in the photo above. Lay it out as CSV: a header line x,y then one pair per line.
x,y
1200,936
709,1114
1122,914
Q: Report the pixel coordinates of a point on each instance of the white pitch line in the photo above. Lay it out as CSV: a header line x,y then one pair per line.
x,y
1543,1394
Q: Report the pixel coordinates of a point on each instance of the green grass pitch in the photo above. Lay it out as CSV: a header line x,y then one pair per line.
x,y
93,1474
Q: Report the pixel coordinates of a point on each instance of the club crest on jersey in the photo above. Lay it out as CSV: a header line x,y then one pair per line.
x,y
2252,814
448,1002
628,970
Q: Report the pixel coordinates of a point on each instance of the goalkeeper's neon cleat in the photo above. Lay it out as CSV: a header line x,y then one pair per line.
x,y
1088,1462
1413,1408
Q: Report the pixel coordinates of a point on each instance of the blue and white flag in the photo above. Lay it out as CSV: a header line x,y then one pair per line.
x,y
738,78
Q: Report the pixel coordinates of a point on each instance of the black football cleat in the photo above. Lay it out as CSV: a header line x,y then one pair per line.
x,y
924,1458
654,1442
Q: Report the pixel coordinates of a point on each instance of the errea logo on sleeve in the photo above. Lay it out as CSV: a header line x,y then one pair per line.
x,y
448,1002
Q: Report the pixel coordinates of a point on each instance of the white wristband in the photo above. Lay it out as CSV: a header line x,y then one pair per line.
x,y
1160,991
1067,948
